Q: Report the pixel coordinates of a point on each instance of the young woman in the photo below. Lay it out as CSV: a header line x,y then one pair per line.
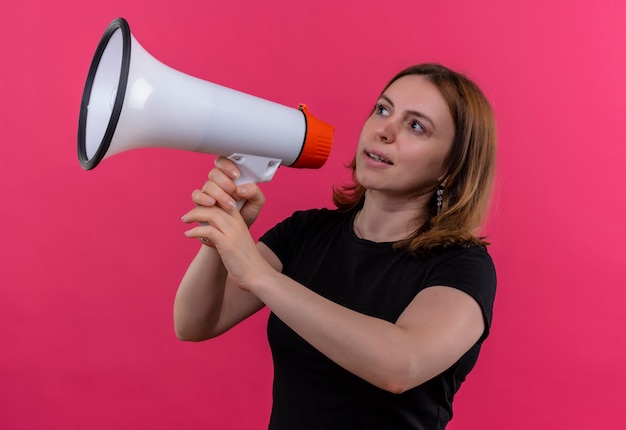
x,y
379,307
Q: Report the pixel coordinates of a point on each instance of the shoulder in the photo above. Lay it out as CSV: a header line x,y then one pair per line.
x,y
316,215
304,228
469,269
475,257
461,267
317,219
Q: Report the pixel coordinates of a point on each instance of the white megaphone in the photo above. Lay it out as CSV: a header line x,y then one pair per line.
x,y
131,100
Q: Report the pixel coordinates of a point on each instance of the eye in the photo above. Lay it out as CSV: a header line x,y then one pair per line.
x,y
379,109
417,127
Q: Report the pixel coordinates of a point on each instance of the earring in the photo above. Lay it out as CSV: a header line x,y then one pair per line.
x,y
439,198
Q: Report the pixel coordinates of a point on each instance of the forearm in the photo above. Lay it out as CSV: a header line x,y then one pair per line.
x,y
434,331
371,348
200,296
207,302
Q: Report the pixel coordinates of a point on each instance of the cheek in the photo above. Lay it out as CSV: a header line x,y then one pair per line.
x,y
362,141
436,168
365,132
427,165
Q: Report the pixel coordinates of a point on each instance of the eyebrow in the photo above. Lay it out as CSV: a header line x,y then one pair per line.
x,y
412,112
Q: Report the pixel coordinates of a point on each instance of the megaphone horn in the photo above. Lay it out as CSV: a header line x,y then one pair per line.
x,y
131,100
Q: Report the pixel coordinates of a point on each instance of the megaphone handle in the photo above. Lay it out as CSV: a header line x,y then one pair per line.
x,y
254,169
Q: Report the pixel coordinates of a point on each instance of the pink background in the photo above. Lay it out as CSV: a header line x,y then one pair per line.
x,y
90,261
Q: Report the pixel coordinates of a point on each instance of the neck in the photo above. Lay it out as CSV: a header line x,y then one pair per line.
x,y
385,221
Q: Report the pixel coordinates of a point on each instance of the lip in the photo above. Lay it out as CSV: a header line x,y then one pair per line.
x,y
372,161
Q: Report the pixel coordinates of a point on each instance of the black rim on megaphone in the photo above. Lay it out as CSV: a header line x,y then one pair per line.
x,y
85,161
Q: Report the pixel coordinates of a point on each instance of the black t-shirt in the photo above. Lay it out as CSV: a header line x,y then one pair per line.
x,y
319,249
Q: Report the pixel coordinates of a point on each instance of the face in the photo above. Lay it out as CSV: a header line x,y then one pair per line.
x,y
405,141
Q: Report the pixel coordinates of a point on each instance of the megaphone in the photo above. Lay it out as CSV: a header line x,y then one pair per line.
x,y
131,100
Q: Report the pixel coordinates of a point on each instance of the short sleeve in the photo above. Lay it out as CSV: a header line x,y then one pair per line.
x,y
472,271
282,238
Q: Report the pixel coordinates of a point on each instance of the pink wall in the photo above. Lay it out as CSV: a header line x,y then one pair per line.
x,y
90,261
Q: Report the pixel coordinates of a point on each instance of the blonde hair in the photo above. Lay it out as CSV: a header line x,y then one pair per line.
x,y
469,167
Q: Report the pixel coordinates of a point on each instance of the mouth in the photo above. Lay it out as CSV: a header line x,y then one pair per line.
x,y
378,157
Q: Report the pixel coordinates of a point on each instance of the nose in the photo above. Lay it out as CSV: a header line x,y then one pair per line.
x,y
386,132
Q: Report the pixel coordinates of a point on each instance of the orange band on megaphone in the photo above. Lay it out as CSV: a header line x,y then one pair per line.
x,y
318,142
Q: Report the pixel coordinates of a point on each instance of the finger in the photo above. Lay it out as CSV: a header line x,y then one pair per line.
x,y
228,167
222,179
222,187
205,231
214,224
252,193
215,217
254,200
199,214
222,197
202,199
205,241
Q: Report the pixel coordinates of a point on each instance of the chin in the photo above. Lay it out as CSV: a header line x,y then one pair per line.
x,y
365,180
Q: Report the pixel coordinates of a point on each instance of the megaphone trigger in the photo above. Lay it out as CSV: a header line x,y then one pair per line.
x,y
254,169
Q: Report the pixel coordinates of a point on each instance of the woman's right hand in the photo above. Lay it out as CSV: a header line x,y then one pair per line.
x,y
221,190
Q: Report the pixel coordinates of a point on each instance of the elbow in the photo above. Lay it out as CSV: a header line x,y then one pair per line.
x,y
187,337
184,335
402,378
190,336
396,386
188,333
192,329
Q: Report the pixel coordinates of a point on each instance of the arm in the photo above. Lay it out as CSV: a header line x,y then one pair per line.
x,y
434,331
207,303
